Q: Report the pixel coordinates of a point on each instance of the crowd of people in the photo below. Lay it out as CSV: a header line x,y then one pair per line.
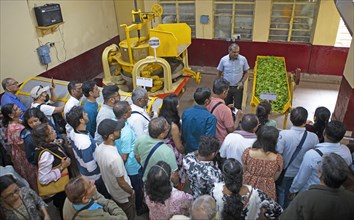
x,y
118,161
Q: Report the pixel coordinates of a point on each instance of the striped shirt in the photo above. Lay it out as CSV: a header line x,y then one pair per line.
x,y
84,147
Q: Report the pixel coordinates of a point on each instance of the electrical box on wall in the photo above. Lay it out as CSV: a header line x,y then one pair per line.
x,y
44,54
204,19
48,14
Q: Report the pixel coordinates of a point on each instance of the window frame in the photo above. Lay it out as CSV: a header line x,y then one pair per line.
x,y
233,16
295,4
178,13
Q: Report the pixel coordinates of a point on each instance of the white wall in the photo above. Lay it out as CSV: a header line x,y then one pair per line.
x,y
88,23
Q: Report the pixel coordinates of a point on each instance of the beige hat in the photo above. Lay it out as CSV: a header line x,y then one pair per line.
x,y
38,90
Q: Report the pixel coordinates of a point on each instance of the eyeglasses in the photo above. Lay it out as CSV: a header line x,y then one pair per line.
x,y
16,191
12,84
144,99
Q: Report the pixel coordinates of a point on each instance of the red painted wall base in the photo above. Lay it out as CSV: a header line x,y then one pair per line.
x,y
202,52
345,105
83,67
309,58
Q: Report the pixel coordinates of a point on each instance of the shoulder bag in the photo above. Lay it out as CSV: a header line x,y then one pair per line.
x,y
54,186
136,112
83,208
297,150
216,105
150,154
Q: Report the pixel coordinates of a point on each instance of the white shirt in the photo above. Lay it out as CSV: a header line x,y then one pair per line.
x,y
47,110
106,112
112,166
139,123
68,106
234,145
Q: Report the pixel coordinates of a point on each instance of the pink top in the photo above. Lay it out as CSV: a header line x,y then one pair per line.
x,y
223,116
260,173
179,203
18,155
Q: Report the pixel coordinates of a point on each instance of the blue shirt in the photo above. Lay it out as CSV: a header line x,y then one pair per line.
x,y
288,141
308,173
125,145
84,150
196,121
94,206
9,98
233,69
91,109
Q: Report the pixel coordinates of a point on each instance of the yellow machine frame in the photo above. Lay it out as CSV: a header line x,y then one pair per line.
x,y
174,38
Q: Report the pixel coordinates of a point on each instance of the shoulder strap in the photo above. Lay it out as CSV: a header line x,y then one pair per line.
x,y
39,106
298,148
83,208
150,154
248,199
49,152
216,105
319,152
136,112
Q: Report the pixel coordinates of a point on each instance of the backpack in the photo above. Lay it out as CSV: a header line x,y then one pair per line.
x,y
59,121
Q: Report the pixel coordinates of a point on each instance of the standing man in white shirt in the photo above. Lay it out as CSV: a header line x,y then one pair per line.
x,y
112,167
238,141
75,91
139,120
234,67
110,97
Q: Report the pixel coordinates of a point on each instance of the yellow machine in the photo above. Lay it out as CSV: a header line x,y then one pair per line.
x,y
134,57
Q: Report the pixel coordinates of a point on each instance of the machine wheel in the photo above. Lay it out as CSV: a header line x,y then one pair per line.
x,y
157,10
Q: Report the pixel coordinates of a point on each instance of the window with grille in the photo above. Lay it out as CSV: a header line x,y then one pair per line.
x,y
233,18
179,11
292,20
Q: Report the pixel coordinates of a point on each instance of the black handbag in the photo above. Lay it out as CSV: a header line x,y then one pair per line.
x,y
298,148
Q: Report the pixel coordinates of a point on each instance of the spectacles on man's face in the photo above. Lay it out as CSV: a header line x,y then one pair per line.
x,y
13,83
12,194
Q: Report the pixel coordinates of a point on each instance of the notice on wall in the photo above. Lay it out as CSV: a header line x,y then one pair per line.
x,y
145,82
268,96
